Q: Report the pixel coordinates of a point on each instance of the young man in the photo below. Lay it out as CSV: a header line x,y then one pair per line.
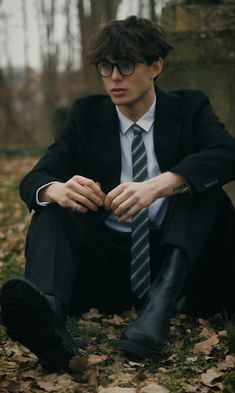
x,y
128,204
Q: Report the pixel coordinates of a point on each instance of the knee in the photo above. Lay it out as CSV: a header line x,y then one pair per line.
x,y
50,213
46,219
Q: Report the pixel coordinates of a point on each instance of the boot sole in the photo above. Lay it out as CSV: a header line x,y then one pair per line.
x,y
28,317
139,350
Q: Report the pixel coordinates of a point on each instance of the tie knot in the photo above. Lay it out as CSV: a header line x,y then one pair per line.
x,y
137,129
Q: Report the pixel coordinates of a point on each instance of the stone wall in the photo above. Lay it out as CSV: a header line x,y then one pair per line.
x,y
203,37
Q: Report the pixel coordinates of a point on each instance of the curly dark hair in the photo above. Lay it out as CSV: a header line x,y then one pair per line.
x,y
133,38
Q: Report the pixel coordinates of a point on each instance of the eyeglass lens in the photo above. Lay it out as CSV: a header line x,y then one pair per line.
x,y
125,67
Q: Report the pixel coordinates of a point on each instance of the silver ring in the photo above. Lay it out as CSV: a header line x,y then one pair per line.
x,y
75,207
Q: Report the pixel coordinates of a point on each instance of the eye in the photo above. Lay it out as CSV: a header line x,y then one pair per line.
x,y
126,66
105,65
104,68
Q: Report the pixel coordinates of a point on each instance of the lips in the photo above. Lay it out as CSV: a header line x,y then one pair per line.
x,y
118,91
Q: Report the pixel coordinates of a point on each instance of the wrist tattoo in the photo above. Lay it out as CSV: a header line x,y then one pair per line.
x,y
181,188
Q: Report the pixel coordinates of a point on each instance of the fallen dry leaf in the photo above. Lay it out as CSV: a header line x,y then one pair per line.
x,y
207,332
78,365
96,359
48,386
115,320
229,362
211,375
92,376
223,333
7,366
192,359
154,388
207,345
162,370
130,315
191,388
112,333
93,313
134,363
117,389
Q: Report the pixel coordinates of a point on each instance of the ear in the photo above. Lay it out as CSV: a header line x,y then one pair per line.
x,y
157,67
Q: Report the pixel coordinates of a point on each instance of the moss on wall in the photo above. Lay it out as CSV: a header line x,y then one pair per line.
x,y
203,37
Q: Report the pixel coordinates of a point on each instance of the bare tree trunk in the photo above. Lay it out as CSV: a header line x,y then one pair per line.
x,y
153,16
87,24
5,41
7,114
69,37
81,20
25,29
50,60
101,12
8,123
95,18
110,9
140,7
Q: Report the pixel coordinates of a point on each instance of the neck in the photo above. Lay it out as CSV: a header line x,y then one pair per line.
x,y
134,111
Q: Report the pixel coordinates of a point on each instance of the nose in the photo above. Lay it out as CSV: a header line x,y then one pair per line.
x,y
116,74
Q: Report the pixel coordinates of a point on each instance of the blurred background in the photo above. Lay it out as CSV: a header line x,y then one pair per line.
x,y
43,65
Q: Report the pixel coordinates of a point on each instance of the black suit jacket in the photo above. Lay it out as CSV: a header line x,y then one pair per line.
x,y
188,139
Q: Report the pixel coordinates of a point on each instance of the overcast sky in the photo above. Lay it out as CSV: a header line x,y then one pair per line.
x,y
14,51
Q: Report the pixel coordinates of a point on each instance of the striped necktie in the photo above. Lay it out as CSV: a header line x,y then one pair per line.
x,y
140,263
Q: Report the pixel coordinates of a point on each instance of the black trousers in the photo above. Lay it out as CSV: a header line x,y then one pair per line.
x,y
88,265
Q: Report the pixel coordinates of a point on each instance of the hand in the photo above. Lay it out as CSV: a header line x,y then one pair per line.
x,y
79,193
128,198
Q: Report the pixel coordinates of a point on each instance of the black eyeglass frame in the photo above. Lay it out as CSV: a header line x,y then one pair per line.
x,y
117,65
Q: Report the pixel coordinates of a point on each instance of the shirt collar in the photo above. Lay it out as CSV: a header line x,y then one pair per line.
x,y
145,122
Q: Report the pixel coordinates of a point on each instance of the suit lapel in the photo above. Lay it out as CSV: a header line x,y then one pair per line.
x,y
107,144
168,123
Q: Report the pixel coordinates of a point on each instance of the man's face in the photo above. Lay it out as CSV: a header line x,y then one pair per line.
x,y
137,88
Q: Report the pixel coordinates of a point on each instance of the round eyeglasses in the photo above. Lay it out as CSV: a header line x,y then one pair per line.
x,y
124,67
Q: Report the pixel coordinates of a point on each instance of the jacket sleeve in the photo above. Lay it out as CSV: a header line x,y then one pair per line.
x,y
56,165
212,163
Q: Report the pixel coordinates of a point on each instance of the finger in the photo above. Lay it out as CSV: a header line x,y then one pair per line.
x,y
85,202
123,207
119,200
129,213
88,193
79,208
82,200
88,183
103,195
98,200
112,195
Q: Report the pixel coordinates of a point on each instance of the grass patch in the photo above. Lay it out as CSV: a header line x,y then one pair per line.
x,y
229,382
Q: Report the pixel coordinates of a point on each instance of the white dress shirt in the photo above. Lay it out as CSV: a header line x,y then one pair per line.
x,y
158,208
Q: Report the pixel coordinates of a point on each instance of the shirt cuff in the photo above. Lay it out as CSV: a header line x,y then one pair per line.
x,y
41,203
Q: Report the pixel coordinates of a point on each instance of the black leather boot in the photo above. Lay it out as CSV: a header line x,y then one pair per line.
x,y
38,322
147,336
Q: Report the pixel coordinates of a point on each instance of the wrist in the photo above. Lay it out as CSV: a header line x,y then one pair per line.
x,y
168,184
48,194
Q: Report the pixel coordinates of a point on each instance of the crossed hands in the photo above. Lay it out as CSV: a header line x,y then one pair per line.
x,y
82,194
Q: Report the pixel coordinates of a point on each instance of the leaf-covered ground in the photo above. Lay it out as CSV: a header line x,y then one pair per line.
x,y
202,355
